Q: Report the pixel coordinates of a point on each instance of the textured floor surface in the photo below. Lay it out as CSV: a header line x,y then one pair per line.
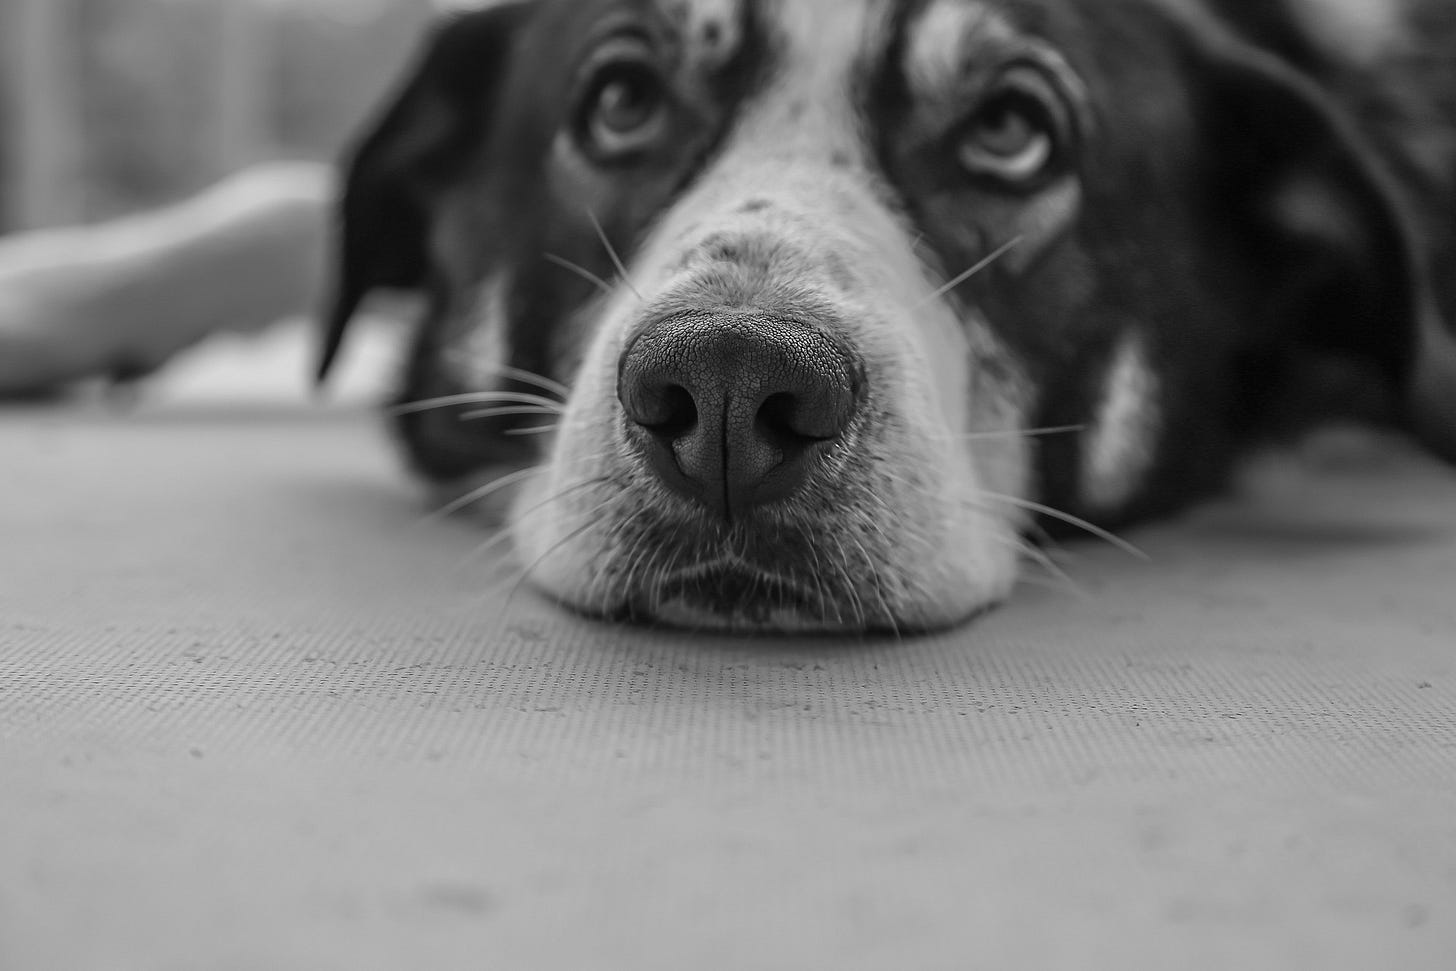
x,y
255,714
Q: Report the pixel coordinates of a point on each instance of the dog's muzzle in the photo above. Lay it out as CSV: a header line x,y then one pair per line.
x,y
735,410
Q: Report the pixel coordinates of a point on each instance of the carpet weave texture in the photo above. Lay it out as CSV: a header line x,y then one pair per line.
x,y
256,712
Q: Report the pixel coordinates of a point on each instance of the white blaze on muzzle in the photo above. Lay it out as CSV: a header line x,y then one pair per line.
x,y
790,223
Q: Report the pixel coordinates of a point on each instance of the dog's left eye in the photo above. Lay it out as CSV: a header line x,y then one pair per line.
x,y
624,111
1012,136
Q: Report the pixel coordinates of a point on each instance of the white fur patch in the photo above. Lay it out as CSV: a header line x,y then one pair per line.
x,y
712,28
1364,31
477,358
1118,449
941,39
899,529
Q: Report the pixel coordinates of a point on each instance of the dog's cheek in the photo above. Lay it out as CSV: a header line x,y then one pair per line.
x,y
944,493
953,553
475,354
567,520
1119,444
1000,400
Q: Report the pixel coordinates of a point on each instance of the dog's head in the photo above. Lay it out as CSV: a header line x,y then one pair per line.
x,y
837,296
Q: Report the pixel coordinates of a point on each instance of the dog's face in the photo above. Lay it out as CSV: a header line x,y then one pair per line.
x,y
841,294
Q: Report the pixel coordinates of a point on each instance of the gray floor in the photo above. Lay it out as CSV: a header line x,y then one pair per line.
x,y
255,714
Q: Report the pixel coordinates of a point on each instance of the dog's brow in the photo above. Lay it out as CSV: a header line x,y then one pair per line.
x,y
940,38
713,29
1363,30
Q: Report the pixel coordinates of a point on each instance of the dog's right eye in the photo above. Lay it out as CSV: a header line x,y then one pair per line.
x,y
1015,136
624,111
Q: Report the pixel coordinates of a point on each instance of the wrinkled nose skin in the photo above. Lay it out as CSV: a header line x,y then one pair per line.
x,y
733,411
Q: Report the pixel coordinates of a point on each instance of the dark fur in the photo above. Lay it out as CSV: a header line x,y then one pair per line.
x,y
1204,121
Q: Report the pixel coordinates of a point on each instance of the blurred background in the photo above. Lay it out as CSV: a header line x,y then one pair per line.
x,y
111,105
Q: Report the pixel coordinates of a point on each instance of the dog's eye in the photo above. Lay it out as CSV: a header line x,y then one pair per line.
x,y
1012,136
624,111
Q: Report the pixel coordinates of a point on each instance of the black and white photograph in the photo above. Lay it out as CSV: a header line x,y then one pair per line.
x,y
728,484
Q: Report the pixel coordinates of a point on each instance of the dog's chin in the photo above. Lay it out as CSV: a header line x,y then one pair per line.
x,y
732,596
645,566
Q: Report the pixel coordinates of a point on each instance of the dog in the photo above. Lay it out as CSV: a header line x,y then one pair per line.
x,y
800,315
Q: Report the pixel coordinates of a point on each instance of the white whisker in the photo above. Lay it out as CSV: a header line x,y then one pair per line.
x,y
484,492
580,271
1044,560
1027,433
479,398
612,252
879,587
591,523
531,378
505,535
481,413
856,602
1070,520
956,281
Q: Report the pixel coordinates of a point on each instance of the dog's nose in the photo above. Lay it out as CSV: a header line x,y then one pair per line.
x,y
732,411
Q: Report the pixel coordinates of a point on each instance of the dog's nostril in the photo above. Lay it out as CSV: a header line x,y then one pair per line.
x,y
665,410
789,421
776,415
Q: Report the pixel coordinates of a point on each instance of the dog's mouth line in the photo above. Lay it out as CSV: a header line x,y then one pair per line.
x,y
734,588
731,565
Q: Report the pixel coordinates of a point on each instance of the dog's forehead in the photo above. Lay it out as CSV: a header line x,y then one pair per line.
x,y
940,35
861,32
933,42
826,33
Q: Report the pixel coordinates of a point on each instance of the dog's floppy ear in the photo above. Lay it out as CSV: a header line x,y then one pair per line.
x,y
413,149
1308,204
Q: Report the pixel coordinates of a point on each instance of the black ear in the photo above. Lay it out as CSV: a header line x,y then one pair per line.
x,y
413,149
1309,206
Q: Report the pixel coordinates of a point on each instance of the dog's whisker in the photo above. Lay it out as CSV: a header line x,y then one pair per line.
x,y
533,430
498,578
960,278
475,496
638,558
856,602
836,575
1061,577
891,515
531,378
815,575
581,271
664,573
495,485
879,588
1027,433
914,488
505,535
1071,520
544,467
1025,548
479,414
609,580
612,252
479,398
558,546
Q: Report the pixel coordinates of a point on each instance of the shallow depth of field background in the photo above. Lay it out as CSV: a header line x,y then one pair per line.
x,y
111,105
